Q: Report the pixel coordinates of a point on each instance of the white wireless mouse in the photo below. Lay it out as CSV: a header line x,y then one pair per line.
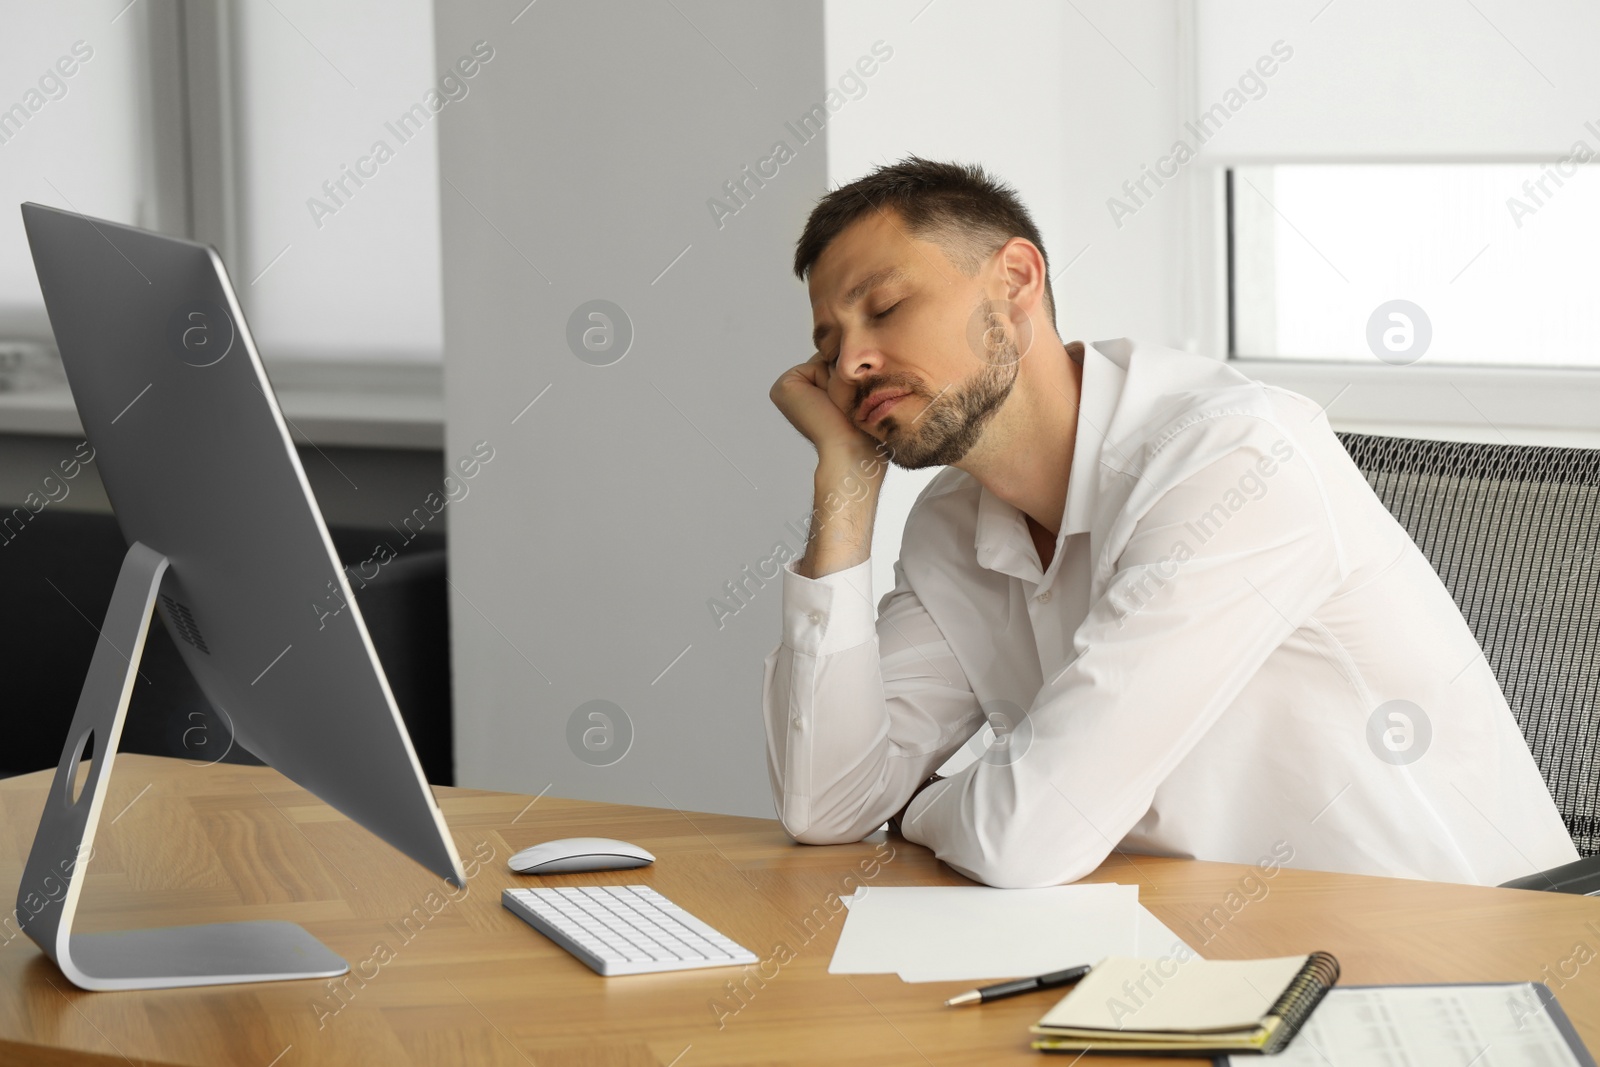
x,y
571,854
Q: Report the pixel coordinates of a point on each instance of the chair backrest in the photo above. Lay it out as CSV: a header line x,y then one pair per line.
x,y
1514,532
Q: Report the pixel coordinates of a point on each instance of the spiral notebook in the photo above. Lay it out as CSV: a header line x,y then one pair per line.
x,y
1194,1007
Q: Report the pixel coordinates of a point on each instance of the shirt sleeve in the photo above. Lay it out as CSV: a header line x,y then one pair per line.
x,y
858,713
1228,546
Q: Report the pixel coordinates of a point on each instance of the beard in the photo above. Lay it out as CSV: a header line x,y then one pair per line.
x,y
954,420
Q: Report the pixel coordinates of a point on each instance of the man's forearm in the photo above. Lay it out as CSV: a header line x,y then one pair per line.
x,y
842,516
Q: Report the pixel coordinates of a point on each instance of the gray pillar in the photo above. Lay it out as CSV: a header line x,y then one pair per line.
x,y
588,550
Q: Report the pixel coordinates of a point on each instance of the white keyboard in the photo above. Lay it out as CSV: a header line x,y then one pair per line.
x,y
624,929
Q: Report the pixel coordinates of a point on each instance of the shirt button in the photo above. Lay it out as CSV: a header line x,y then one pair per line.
x,y
1044,597
813,616
797,722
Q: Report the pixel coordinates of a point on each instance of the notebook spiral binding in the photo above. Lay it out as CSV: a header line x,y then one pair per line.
x,y
1320,974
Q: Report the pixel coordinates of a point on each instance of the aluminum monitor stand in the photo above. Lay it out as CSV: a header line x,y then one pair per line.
x,y
47,899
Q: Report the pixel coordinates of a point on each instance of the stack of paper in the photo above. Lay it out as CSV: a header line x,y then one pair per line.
x,y
951,933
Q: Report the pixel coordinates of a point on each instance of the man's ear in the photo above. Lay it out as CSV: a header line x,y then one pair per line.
x,y
1023,270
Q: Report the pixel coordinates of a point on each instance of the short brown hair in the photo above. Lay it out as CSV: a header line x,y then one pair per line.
x,y
959,207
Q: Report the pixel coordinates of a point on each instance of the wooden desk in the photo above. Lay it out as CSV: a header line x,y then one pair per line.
x,y
469,983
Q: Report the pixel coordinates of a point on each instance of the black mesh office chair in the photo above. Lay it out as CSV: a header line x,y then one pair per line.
x,y
1514,531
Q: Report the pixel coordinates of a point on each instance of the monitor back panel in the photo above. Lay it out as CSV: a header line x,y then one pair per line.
x,y
198,463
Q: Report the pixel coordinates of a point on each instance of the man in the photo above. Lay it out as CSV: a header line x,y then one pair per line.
x,y
1194,627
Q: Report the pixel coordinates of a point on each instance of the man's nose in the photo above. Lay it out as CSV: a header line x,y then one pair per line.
x,y
860,363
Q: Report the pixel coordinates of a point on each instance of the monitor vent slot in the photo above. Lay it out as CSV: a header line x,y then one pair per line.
x,y
183,621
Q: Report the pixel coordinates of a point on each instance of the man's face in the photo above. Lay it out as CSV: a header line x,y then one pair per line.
x,y
898,318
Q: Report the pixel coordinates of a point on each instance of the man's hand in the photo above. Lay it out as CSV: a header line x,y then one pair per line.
x,y
848,462
801,393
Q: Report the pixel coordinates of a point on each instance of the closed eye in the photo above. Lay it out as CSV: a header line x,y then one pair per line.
x,y
834,362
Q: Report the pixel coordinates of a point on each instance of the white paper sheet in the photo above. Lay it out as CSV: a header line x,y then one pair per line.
x,y
973,933
1158,940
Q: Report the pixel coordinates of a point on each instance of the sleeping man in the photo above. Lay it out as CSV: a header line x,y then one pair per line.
x,y
1192,626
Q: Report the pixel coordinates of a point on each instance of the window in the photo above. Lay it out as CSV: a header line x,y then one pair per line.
x,y
338,265
1446,264
223,122
75,132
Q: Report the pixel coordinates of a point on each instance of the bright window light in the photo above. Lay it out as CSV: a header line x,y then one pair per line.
x,y
1477,264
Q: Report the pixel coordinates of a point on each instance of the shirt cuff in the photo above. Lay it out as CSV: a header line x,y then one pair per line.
x,y
828,614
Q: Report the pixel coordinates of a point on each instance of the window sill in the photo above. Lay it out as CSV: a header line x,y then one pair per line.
x,y
1532,406
363,405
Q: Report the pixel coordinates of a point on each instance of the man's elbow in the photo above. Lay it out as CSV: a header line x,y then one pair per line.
x,y
826,831
1019,863
823,835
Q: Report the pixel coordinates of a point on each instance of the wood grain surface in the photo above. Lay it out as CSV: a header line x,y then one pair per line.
x,y
445,976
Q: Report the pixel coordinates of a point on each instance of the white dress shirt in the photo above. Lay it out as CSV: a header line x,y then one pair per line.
x,y
1235,648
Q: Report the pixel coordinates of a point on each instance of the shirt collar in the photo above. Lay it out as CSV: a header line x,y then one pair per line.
x,y
1101,388
1002,542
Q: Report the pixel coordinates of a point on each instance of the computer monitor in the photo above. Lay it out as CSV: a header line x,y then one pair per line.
x,y
224,533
